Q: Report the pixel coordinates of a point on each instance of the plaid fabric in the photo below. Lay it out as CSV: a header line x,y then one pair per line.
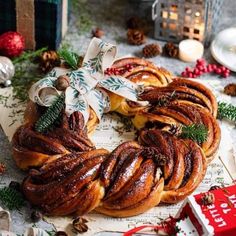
x,y
7,16
48,21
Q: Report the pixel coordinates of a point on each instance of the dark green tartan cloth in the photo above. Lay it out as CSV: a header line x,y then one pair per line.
x,y
48,21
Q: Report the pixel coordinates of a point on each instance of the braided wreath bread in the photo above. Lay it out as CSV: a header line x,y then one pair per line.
x,y
72,177
128,181
31,149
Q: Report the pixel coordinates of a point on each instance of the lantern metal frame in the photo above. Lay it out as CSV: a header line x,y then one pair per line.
x,y
179,19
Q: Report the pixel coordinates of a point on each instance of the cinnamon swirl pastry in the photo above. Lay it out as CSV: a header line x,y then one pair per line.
x,y
141,72
32,149
72,177
182,102
129,181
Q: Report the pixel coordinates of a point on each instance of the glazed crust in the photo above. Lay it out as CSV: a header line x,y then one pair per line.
x,y
143,72
72,177
111,183
33,149
183,102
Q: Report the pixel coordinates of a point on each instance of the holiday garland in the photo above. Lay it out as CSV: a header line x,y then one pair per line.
x,y
52,114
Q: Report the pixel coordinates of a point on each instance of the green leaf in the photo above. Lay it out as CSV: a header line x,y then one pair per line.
x,y
11,198
227,111
195,132
52,114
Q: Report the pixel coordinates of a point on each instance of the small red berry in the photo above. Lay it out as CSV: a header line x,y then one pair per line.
x,y
214,67
188,69
225,74
201,62
223,68
184,74
200,67
204,70
218,71
209,68
196,71
190,75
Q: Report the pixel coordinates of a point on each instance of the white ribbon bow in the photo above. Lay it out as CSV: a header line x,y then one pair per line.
x,y
87,84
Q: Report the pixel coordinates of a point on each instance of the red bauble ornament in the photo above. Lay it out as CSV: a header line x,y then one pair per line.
x,y
12,44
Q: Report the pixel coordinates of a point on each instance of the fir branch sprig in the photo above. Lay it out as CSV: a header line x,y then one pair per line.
x,y
11,198
52,114
71,58
227,111
28,55
195,132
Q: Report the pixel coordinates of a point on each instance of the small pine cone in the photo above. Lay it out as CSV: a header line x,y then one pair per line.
x,y
98,33
152,50
136,37
171,50
214,187
230,89
175,130
48,60
134,22
79,225
2,168
208,198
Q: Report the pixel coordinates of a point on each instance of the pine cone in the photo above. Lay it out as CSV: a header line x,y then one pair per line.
x,y
136,37
48,60
152,50
208,198
214,187
98,33
171,50
134,22
230,89
2,168
80,225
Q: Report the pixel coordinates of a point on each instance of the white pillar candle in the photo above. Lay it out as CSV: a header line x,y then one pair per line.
x,y
190,50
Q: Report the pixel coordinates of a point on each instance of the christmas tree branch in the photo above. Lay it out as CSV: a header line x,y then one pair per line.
x,y
227,111
11,198
195,132
28,55
52,114
71,58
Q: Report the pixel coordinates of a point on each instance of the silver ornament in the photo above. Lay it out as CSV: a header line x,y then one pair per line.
x,y
7,71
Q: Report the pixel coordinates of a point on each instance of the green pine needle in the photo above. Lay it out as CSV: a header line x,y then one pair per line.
x,y
195,132
52,114
226,110
11,198
71,58
28,55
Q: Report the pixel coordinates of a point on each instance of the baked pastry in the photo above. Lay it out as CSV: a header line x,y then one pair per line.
x,y
33,149
111,183
141,72
72,177
71,136
182,103
184,91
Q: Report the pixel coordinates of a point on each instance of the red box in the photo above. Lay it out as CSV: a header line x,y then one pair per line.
x,y
217,219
